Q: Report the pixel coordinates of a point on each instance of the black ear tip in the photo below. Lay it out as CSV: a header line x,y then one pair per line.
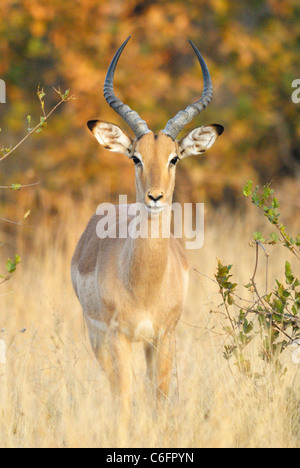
x,y
219,128
91,124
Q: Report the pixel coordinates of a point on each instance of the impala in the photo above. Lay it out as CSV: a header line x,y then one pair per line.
x,y
133,289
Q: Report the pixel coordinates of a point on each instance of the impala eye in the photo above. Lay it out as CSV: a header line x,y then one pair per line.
x,y
174,161
136,160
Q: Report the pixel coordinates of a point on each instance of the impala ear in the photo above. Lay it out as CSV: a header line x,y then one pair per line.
x,y
111,136
199,140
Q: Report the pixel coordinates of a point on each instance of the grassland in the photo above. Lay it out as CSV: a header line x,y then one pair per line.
x,y
52,393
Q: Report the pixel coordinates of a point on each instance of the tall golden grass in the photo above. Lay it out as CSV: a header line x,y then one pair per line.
x,y
53,394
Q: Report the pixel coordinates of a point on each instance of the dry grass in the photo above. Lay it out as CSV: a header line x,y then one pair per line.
x,y
52,393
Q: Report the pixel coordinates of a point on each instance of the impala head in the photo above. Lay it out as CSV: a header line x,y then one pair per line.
x,y
155,156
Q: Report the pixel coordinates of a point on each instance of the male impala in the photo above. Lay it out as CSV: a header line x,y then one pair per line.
x,y
133,289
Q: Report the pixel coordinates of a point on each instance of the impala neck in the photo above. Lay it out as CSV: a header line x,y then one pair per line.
x,y
148,258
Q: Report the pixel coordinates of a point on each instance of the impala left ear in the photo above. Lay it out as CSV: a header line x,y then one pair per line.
x,y
199,140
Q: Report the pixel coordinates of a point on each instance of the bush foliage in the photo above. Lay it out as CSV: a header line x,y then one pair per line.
x,y
274,315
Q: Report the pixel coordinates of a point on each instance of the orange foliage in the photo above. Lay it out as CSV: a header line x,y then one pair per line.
x,y
251,51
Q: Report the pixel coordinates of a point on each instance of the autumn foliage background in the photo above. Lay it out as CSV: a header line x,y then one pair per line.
x,y
252,51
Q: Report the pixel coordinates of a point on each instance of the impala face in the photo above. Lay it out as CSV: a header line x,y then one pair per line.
x,y
155,160
155,157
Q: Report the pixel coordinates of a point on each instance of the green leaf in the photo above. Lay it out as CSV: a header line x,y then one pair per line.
x,y
247,190
267,192
12,265
288,273
274,237
255,198
41,94
16,187
258,236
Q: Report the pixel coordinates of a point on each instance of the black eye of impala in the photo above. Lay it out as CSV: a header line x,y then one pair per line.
x,y
174,160
136,160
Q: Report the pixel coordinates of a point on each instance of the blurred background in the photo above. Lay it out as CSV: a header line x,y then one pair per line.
x,y
252,51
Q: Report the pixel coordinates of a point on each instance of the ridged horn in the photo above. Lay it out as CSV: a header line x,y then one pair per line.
x,y
137,125
175,125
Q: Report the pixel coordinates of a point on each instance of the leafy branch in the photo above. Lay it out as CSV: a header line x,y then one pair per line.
x,y
64,97
11,265
275,315
269,205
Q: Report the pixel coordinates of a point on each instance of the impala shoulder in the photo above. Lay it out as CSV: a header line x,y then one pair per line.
x,y
85,256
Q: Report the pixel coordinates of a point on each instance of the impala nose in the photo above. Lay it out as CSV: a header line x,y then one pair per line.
x,y
154,196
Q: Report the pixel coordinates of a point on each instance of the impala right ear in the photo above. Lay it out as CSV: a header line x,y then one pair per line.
x,y
111,136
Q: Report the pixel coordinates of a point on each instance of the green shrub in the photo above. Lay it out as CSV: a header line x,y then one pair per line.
x,y
274,315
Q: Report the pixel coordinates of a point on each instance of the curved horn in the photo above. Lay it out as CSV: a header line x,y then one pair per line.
x,y
175,125
137,125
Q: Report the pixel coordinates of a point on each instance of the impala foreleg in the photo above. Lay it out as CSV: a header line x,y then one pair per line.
x,y
113,353
165,358
159,358
122,351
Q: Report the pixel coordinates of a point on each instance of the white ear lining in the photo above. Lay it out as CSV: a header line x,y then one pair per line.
x,y
198,141
111,137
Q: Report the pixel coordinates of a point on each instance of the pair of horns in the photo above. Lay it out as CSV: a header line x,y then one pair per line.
x,y
175,125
